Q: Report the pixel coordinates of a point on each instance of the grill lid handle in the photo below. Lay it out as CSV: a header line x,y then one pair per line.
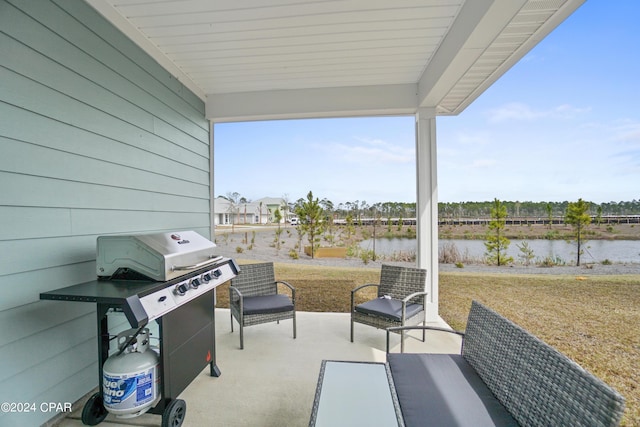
x,y
212,260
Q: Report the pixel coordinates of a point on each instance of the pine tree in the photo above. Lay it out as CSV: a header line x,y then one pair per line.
x,y
496,243
277,216
578,217
312,221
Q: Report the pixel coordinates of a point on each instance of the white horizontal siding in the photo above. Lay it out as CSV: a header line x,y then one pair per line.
x,y
95,138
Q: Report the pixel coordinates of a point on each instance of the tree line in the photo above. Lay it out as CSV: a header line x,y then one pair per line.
x,y
534,209
455,210
360,208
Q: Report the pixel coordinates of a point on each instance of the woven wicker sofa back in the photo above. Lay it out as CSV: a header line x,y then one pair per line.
x,y
537,384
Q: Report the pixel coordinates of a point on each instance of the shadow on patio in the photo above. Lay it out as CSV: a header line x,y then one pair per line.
x,y
272,382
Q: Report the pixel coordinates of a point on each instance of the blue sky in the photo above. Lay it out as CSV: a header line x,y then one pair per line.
x,y
562,124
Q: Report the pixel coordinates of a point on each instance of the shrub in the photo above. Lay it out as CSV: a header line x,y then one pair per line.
x,y
551,260
239,249
225,238
449,253
402,256
526,253
366,255
551,235
293,254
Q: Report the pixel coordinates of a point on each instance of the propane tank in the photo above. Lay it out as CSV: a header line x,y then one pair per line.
x,y
131,381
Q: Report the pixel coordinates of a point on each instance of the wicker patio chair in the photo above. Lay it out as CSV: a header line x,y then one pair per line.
x,y
401,300
254,298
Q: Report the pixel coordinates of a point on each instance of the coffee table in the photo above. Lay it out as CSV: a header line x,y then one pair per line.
x,y
355,394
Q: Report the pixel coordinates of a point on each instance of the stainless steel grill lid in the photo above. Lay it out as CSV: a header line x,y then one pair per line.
x,y
158,256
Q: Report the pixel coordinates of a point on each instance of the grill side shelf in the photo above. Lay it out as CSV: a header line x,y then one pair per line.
x,y
113,294
53,297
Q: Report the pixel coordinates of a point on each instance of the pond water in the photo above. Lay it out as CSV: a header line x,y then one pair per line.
x,y
617,251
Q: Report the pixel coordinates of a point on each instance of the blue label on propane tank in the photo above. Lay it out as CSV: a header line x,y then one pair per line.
x,y
127,392
145,387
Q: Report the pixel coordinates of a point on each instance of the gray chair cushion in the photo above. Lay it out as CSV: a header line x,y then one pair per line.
x,y
267,304
388,308
444,390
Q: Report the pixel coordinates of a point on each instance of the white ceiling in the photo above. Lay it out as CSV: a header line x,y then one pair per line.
x,y
265,59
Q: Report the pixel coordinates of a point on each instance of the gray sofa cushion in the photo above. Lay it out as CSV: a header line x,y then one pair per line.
x,y
444,390
265,304
389,308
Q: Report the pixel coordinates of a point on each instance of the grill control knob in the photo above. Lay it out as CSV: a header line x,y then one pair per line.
x,y
194,283
217,273
181,289
206,278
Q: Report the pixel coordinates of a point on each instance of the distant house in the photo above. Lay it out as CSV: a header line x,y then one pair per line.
x,y
259,211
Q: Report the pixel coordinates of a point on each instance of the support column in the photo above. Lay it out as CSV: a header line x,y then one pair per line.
x,y
212,212
427,204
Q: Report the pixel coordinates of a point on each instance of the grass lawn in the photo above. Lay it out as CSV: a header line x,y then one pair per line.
x,y
594,320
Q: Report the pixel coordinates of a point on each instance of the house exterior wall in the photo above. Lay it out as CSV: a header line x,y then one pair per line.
x,y
95,138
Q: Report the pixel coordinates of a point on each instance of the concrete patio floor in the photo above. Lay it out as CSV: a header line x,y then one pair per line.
x,y
272,382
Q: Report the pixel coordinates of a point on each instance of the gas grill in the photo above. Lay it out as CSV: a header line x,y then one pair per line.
x,y
166,277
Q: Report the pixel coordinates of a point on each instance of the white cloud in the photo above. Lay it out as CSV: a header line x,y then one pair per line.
x,y
521,111
370,150
483,163
473,138
628,132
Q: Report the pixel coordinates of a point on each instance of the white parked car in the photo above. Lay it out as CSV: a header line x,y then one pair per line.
x,y
293,221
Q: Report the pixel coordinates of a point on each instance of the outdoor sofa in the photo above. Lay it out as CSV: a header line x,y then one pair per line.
x,y
504,376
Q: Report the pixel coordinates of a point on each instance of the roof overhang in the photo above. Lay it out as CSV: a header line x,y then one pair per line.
x,y
283,59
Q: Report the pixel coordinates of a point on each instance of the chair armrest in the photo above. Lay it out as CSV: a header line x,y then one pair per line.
x,y
234,290
419,327
354,290
406,300
413,295
288,285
